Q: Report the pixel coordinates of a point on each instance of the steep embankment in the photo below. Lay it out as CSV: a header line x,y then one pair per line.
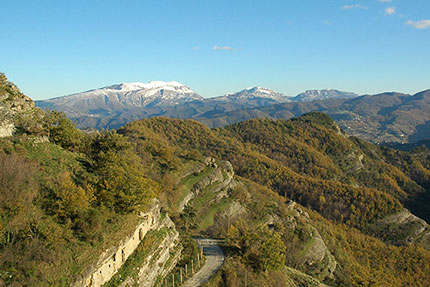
x,y
160,260
159,254
16,110
310,160
403,228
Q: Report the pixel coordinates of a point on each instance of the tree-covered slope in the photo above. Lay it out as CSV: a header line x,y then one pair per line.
x,y
296,203
308,159
312,161
387,117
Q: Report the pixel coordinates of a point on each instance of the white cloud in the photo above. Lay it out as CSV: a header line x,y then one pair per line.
x,y
354,6
384,1
222,48
390,10
422,24
196,48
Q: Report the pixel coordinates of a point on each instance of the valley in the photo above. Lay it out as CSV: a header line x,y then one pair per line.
x,y
215,143
387,118
295,202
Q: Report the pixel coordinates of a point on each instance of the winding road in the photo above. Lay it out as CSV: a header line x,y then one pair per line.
x,y
214,260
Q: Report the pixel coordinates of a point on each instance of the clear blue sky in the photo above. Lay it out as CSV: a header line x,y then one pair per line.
x,y
54,48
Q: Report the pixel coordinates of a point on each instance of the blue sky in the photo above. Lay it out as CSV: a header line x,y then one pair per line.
x,y
54,48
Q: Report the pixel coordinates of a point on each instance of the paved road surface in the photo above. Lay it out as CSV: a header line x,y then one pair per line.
x,y
214,260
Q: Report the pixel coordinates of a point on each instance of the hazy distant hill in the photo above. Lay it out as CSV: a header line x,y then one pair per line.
x,y
315,95
387,117
113,106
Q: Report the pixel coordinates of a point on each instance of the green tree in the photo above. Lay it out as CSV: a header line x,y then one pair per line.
x,y
263,249
271,251
62,131
121,176
68,200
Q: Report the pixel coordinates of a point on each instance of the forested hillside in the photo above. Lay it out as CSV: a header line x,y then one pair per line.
x,y
296,203
351,183
308,159
381,118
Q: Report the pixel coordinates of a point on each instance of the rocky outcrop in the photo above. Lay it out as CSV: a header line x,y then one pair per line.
x,y
6,128
15,108
226,217
300,279
220,178
161,259
223,174
403,228
315,254
113,258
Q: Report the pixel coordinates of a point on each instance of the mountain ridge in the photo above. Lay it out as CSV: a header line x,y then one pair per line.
x,y
296,201
381,118
114,105
313,95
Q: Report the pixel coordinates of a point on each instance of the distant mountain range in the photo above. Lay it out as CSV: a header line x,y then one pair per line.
x,y
115,98
382,118
315,95
387,117
113,106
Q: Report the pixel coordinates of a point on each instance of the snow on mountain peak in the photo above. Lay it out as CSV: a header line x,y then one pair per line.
x,y
132,95
259,90
313,95
253,93
134,86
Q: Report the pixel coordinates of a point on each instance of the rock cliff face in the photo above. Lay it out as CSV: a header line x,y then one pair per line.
x,y
14,107
403,228
315,254
6,128
220,178
112,259
161,259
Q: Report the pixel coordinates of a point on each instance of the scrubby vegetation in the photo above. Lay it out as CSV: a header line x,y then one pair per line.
x,y
349,182
66,195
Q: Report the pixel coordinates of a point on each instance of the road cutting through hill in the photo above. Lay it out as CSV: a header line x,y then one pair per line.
x,y
214,260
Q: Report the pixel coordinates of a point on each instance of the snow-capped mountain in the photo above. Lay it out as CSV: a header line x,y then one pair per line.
x,y
314,95
123,96
148,89
115,105
252,93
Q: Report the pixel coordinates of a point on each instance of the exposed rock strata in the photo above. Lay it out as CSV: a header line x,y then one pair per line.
x,y
220,178
112,259
403,228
